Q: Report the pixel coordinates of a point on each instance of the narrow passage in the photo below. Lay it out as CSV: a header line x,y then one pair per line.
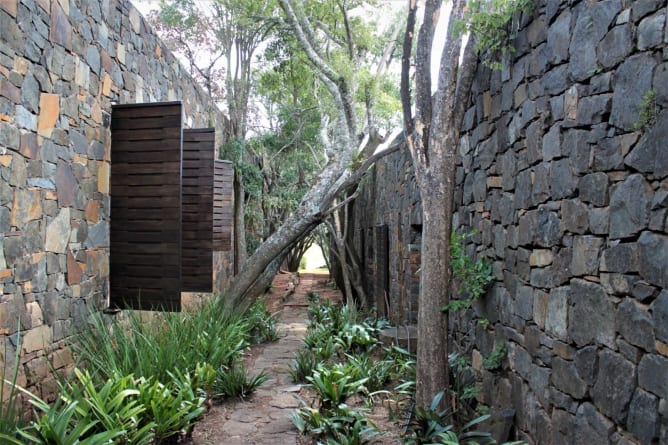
x,y
265,417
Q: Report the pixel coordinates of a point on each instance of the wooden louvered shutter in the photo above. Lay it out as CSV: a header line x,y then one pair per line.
x,y
222,205
197,195
382,284
145,189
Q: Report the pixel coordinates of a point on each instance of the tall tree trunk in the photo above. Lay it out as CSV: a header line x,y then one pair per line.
x,y
432,138
436,193
239,246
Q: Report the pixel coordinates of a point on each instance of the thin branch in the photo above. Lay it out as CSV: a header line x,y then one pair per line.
x,y
342,203
357,174
406,68
448,68
466,75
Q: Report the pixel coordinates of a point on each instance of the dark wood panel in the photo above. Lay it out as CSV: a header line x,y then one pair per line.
x,y
382,284
222,205
145,188
197,211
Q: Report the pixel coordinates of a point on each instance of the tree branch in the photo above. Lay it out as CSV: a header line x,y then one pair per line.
x,y
357,174
405,88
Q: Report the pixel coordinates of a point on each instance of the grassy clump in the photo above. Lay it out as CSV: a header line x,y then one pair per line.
x,y
147,377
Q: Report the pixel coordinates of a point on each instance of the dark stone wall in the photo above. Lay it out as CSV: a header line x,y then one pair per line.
x,y
62,65
568,194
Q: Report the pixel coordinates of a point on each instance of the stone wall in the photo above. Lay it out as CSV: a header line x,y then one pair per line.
x,y
63,63
566,186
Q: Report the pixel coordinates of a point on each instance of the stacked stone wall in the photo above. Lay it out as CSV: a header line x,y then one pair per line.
x,y
565,183
63,63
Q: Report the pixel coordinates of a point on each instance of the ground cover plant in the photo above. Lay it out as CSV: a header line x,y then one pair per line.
x,y
349,373
145,379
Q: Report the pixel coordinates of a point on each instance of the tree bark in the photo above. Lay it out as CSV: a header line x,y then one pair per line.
x,y
432,138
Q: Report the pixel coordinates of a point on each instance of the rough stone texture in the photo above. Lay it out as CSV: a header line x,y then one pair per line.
x,y
629,207
643,416
653,257
591,315
62,66
614,386
632,80
569,201
565,378
635,324
652,372
648,155
659,311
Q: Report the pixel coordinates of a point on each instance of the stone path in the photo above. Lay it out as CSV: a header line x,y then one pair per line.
x,y
265,418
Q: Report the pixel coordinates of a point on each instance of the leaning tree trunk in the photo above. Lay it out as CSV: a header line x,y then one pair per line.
x,y
314,208
309,215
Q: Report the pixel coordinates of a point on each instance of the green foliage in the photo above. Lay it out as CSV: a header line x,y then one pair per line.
x,y
432,426
11,417
472,278
376,372
261,324
357,337
122,410
495,359
649,111
150,346
235,381
490,22
313,297
338,425
302,366
113,406
173,408
59,425
334,384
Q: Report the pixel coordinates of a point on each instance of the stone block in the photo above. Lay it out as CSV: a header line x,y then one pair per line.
x,y
599,221
591,314
648,155
593,188
650,31
540,304
620,258
629,207
556,319
541,258
653,258
659,310
566,379
562,181
558,38
548,227
643,416
49,112
614,385
635,324
577,147
615,46
575,216
36,339
633,79
26,207
551,147
58,232
586,255
652,372
540,184
591,427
